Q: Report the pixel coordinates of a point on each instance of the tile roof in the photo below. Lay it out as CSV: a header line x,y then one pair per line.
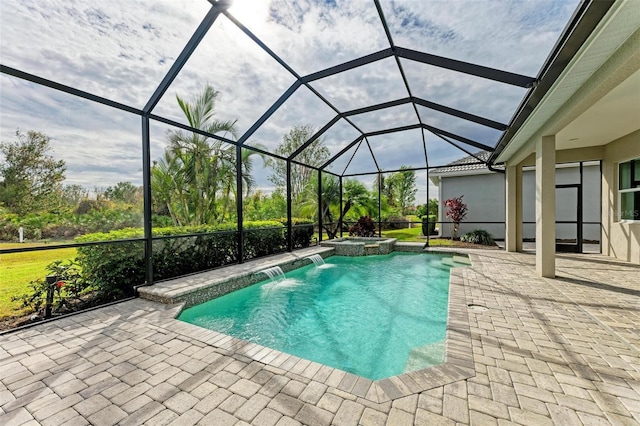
x,y
464,164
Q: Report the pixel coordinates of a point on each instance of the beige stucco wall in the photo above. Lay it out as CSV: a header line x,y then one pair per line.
x,y
619,239
484,195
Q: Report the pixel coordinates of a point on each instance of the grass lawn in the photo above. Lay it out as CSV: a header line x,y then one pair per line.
x,y
18,269
406,234
415,235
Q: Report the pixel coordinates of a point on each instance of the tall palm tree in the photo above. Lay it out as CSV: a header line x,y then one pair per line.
x,y
200,170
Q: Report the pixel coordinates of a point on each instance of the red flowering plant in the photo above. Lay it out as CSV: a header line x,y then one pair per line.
x,y
364,228
457,210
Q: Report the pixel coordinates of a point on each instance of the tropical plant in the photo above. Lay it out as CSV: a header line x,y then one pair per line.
x,y
479,236
195,180
365,227
457,211
68,288
356,200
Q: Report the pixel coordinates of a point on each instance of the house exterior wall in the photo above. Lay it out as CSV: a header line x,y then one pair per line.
x,y
620,239
485,199
484,195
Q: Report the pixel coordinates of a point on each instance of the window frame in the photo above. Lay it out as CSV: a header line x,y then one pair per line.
x,y
634,187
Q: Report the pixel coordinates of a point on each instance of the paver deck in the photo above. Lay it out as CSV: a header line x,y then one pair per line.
x,y
563,351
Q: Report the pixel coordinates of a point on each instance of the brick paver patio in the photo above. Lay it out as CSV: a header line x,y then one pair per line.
x,y
563,351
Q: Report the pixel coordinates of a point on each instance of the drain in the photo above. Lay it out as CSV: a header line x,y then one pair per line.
x,y
477,308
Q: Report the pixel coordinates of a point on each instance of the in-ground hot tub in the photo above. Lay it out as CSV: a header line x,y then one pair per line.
x,y
361,246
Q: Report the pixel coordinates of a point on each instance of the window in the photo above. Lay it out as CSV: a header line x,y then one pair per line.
x,y
629,190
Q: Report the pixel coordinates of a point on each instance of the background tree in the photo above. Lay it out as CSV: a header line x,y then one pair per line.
x,y
72,195
429,209
195,180
387,190
31,178
432,207
315,155
260,206
403,188
124,192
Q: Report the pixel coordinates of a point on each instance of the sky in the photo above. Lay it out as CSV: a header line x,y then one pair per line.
x,y
122,49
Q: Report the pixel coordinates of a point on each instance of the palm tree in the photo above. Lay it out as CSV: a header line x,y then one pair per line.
x,y
356,198
197,175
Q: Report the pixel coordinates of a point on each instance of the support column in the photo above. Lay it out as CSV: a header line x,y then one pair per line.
x,y
546,207
511,183
519,219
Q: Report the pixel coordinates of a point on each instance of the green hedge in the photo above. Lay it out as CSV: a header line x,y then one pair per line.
x,y
302,231
116,268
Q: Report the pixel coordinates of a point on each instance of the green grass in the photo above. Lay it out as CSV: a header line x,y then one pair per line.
x,y
406,234
415,235
17,270
441,242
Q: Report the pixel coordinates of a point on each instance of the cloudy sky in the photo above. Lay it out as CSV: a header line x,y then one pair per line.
x,y
121,50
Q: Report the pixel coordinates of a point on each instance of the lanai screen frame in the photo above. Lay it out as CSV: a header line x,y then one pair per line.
x,y
584,20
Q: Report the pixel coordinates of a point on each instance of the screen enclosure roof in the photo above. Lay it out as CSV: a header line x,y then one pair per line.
x,y
383,84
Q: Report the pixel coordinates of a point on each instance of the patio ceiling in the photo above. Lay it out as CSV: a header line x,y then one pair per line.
x,y
384,83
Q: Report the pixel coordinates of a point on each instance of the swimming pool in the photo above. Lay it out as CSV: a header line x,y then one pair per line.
x,y
375,316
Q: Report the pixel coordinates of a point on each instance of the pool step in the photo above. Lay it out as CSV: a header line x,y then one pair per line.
x,y
425,356
464,260
456,261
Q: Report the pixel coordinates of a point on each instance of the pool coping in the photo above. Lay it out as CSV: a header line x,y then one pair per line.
x,y
458,362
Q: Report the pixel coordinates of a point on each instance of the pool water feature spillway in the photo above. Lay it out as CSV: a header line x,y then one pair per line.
x,y
361,246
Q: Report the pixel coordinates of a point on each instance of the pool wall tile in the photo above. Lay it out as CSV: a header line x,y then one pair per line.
x,y
198,288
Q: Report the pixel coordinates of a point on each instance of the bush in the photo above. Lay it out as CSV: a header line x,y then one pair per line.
x,y
114,268
70,286
479,236
67,225
160,221
364,228
396,222
117,267
302,231
428,225
262,238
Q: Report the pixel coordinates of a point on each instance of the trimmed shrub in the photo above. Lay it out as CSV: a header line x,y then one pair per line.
x,y
262,238
302,231
117,267
113,268
396,222
479,236
428,225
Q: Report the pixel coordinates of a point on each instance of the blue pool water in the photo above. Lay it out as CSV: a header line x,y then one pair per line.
x,y
374,316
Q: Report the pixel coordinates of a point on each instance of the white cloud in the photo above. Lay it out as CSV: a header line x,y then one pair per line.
x,y
122,49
